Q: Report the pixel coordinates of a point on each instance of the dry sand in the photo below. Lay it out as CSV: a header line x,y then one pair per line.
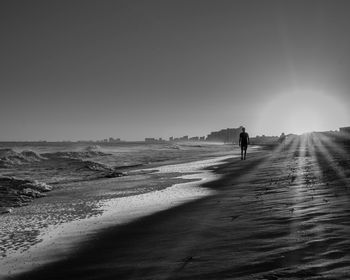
x,y
281,214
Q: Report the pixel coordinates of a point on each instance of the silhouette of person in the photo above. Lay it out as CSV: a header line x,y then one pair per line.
x,y
243,143
282,138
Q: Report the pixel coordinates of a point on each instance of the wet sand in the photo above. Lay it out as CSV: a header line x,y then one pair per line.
x,y
281,214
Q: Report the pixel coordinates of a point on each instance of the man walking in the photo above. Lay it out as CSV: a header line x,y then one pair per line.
x,y
243,143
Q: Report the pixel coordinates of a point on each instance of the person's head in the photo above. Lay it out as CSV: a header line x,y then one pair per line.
x,y
243,129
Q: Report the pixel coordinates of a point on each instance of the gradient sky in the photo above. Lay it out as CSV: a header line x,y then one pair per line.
x,y
132,69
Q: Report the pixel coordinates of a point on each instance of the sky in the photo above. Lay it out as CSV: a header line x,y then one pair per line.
x,y
130,69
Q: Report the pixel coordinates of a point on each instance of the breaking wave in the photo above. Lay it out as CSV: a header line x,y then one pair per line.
x,y
18,192
9,157
75,154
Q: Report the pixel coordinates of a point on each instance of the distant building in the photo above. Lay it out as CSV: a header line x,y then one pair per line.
x,y
179,139
259,140
112,140
196,138
153,140
184,138
345,130
228,135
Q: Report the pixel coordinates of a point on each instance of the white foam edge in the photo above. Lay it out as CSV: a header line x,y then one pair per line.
x,y
60,240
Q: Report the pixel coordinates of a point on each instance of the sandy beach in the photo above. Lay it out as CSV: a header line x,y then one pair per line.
x,y
281,214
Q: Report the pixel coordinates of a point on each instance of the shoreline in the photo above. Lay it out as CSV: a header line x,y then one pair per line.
x,y
154,218
68,235
281,214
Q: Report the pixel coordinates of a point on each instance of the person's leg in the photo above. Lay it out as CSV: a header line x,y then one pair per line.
x,y
242,148
245,151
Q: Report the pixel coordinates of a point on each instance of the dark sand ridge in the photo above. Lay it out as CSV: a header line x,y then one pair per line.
x,y
281,214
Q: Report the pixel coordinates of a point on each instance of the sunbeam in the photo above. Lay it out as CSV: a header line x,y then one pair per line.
x,y
303,111
325,146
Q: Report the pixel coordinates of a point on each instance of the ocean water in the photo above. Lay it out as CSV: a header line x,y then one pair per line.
x,y
66,162
83,201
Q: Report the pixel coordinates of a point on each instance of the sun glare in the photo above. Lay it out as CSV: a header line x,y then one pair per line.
x,y
303,111
305,119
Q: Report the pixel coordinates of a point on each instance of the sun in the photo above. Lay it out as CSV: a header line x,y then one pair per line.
x,y
303,111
